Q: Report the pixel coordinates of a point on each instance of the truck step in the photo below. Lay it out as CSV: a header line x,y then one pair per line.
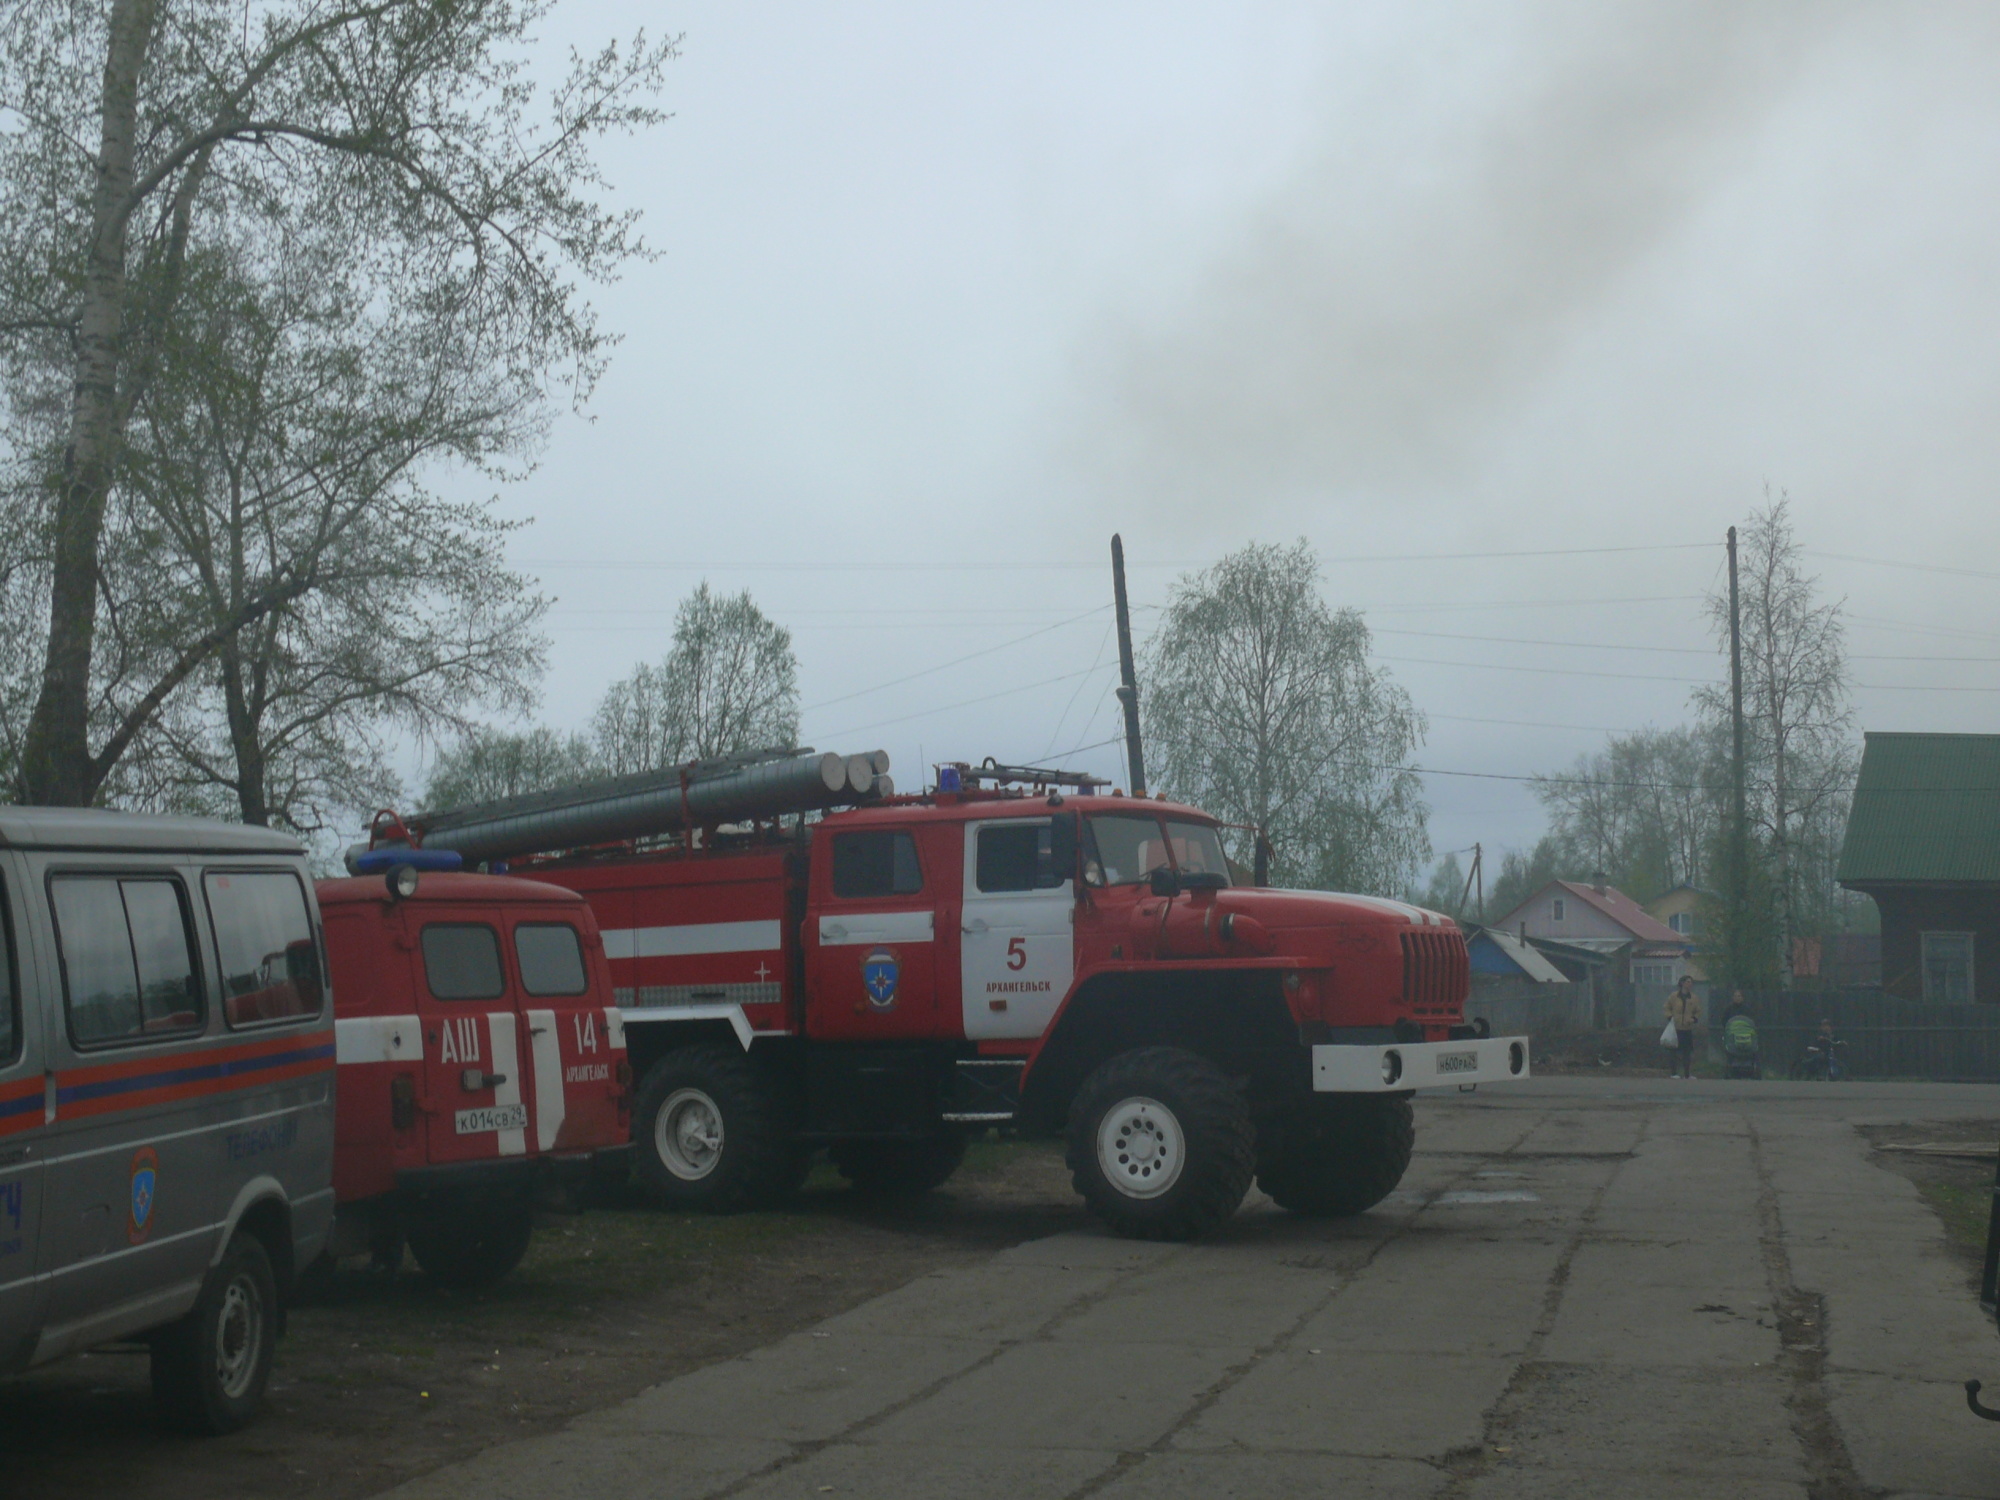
x,y
985,1090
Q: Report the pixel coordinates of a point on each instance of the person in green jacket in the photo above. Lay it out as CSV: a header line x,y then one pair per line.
x,y
1684,1010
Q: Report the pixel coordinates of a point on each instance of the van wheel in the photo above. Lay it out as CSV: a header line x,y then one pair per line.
x,y
210,1368
712,1132
900,1169
1338,1154
1161,1144
471,1248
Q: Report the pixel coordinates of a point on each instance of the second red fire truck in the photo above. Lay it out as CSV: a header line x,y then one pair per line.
x,y
1012,948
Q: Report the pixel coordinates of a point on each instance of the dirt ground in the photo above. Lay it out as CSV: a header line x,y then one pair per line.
x,y
389,1377
1960,1189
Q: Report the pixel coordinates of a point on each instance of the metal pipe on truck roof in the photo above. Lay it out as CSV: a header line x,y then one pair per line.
x,y
630,807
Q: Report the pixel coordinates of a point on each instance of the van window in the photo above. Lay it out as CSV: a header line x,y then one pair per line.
x,y
10,987
551,958
128,967
1019,857
875,864
264,946
462,961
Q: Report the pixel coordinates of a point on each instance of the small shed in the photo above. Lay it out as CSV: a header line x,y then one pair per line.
x,y
1923,839
1500,955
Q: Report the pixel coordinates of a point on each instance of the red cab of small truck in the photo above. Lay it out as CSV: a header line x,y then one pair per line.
x,y
888,978
482,1067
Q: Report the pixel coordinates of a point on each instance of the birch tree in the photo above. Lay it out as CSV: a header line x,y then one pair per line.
x,y
728,684
1800,757
136,136
1260,705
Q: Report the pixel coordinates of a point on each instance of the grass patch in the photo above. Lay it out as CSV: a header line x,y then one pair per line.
x,y
1964,1209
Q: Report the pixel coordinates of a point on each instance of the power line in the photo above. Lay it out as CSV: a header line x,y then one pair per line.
x,y
956,661
1914,567
943,708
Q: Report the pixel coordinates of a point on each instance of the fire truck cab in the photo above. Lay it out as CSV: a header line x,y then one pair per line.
x,y
887,978
481,1063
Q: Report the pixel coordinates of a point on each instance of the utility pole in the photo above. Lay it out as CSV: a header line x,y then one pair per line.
x,y
1128,685
1478,873
1739,843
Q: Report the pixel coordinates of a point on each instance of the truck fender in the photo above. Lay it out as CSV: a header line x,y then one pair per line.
x,y
256,1190
733,1014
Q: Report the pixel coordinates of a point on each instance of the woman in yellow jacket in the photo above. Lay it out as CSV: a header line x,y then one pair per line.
x,y
1684,1010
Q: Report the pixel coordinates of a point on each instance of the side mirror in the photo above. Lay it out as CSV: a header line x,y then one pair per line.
x,y
1164,881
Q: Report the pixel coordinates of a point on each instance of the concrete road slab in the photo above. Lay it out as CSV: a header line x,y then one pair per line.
x,y
658,1466
1916,1435
805,1389
1059,1395
1367,1404
1248,1302
923,1473
1416,1298
996,1301
1519,1482
1650,1304
1273,1476
1731,1426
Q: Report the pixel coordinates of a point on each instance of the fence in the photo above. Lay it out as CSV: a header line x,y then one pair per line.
x,y
1536,1010
1886,1037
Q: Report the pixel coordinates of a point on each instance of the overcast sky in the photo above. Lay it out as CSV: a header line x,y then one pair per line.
x,y
948,294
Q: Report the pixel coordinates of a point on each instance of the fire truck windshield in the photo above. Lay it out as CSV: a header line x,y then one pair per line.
x,y
1125,848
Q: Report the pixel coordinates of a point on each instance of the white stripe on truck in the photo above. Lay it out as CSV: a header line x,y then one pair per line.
x,y
551,1106
507,1063
377,1039
691,938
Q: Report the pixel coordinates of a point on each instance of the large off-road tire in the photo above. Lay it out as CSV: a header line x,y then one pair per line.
x,y
900,1169
1161,1144
1338,1154
210,1368
469,1246
713,1132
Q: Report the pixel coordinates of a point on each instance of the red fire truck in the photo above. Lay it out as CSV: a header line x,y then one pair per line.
x,y
482,1062
1013,948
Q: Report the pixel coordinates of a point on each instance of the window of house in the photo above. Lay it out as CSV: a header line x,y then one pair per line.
x,y
1556,908
551,958
263,945
1658,975
462,961
1948,967
1682,922
877,863
128,965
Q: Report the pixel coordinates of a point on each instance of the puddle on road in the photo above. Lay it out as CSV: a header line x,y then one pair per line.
x,y
1505,1195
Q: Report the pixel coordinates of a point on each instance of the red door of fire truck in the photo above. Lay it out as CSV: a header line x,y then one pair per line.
x,y
478,1091
872,938
575,1041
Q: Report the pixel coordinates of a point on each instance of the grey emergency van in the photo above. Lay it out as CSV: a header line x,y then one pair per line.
x,y
166,1096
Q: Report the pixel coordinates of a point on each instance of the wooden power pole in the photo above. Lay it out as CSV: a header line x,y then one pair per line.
x,y
1128,677
1739,841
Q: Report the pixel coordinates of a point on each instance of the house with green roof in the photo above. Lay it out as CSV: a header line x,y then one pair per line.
x,y
1923,840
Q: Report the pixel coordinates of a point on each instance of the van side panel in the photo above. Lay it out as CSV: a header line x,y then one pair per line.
x,y
23,1133
156,1139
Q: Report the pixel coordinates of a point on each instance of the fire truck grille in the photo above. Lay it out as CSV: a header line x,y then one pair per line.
x,y
1436,973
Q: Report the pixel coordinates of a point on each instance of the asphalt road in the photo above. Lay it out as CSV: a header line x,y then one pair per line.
x,y
1585,1288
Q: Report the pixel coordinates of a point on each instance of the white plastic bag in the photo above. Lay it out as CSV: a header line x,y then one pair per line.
x,y
1671,1037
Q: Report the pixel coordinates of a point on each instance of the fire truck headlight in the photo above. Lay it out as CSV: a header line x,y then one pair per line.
x,y
1392,1066
402,882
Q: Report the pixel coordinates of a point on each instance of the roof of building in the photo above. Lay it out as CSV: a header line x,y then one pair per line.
x,y
1523,956
1926,807
1626,912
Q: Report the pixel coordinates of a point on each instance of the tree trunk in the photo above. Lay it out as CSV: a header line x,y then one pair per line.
x,y
57,768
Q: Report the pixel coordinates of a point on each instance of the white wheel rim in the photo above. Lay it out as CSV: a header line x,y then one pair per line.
x,y
687,1134
239,1336
1140,1147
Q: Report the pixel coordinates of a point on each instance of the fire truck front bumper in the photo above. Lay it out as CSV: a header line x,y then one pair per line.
x,y
1397,1067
